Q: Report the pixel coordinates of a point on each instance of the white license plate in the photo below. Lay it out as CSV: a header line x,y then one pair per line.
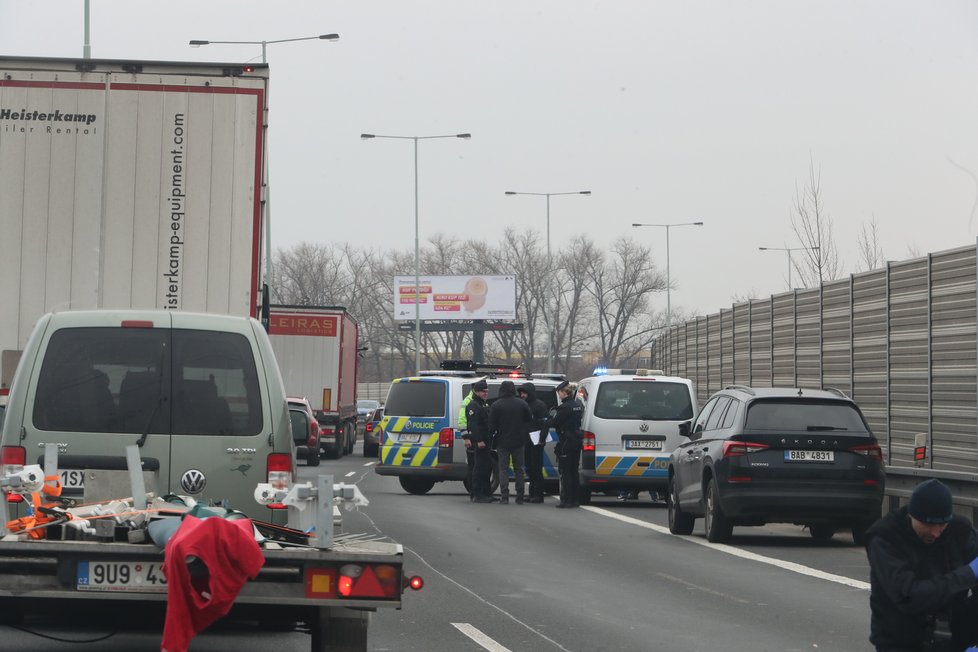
x,y
121,576
809,456
72,478
646,444
409,438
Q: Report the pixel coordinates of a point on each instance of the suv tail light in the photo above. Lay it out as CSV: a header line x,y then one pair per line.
x,y
735,448
872,451
313,434
280,473
369,427
446,438
588,441
12,460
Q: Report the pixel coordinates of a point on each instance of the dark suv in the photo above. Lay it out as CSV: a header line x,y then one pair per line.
x,y
776,455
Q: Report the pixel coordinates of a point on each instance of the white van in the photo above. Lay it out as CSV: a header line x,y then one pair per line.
x,y
631,425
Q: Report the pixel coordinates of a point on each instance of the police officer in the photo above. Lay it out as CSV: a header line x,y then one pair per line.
x,y
567,423
469,452
533,452
477,422
923,561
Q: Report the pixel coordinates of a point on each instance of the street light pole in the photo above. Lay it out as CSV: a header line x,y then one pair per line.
x,y
550,330
268,188
668,273
417,238
788,250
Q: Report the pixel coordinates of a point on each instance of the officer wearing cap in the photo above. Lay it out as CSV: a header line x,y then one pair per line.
x,y
923,563
477,440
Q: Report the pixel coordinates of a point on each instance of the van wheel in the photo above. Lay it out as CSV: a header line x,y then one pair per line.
x,y
718,529
821,532
416,486
680,522
370,450
312,456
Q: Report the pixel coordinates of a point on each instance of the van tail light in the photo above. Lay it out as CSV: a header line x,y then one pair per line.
x,y
872,451
737,448
446,438
12,460
280,473
588,441
369,581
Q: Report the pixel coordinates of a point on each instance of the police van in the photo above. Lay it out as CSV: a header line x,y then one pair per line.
x,y
420,438
631,425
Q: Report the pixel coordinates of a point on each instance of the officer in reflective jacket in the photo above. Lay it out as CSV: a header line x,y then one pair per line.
x,y
477,421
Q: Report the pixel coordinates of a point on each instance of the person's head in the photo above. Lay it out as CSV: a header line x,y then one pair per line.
x,y
481,388
527,391
930,509
566,389
507,388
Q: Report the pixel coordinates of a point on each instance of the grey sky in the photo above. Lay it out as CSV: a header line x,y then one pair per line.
x,y
666,111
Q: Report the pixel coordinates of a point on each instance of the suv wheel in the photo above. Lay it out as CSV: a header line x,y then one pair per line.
x,y
859,533
680,522
718,529
312,456
821,532
416,486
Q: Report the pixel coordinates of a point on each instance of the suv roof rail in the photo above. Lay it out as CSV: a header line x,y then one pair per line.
x,y
743,388
836,391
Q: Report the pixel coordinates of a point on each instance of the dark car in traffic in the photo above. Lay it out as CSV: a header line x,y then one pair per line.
x,y
371,433
776,455
305,430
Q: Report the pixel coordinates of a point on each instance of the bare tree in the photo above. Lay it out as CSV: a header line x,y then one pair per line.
x,y
620,290
813,227
573,310
870,253
311,274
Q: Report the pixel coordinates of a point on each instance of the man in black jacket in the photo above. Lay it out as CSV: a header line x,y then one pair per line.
x,y
509,422
479,441
533,452
923,561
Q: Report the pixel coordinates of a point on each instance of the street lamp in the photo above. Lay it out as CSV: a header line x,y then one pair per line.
x,y
668,277
788,250
268,190
550,330
325,37
417,246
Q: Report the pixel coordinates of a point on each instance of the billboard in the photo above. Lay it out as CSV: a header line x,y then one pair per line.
x,y
456,297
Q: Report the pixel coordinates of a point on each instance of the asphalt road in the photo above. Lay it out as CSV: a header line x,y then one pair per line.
x,y
604,577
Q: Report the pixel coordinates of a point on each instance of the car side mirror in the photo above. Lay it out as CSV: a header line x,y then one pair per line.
x,y
684,429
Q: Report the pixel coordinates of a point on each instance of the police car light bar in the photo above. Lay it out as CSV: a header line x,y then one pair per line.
x,y
600,371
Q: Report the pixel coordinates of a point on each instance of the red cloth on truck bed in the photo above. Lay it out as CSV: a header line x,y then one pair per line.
x,y
231,554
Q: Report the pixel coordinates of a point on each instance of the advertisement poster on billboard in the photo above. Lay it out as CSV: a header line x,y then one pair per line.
x,y
456,297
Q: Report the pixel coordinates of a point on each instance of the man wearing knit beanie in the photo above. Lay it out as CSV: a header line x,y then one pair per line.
x,y
923,561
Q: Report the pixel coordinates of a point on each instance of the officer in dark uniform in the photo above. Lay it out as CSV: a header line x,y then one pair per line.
x,y
567,423
477,421
923,562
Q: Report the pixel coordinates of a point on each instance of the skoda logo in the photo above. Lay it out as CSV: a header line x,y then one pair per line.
x,y
644,427
193,481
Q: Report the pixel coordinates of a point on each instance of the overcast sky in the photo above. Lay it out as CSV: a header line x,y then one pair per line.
x,y
667,112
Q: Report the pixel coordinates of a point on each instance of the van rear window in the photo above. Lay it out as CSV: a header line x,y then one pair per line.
x,y
416,399
642,399
161,381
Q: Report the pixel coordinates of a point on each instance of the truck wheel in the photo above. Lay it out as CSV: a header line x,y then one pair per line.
x,y
416,486
680,522
717,528
351,432
312,456
340,630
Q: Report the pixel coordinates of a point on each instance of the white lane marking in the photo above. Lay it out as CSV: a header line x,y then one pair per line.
x,y
370,463
481,599
737,552
479,637
349,474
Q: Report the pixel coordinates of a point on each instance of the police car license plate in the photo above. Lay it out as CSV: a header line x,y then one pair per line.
x,y
409,438
72,478
646,444
809,456
121,576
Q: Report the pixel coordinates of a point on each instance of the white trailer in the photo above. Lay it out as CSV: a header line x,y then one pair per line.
x,y
316,348
128,184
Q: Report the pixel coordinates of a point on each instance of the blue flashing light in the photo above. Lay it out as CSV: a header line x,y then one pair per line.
x,y
600,371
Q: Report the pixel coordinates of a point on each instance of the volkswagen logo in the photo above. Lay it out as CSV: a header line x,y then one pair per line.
x,y
644,427
193,481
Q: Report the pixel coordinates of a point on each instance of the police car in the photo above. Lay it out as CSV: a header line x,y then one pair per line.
x,y
420,439
631,425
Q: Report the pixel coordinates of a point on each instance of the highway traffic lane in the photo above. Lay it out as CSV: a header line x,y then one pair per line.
x,y
617,587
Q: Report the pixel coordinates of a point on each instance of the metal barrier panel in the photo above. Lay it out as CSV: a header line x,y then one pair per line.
x,y
808,338
741,335
760,336
714,353
727,352
869,347
783,340
909,360
836,336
